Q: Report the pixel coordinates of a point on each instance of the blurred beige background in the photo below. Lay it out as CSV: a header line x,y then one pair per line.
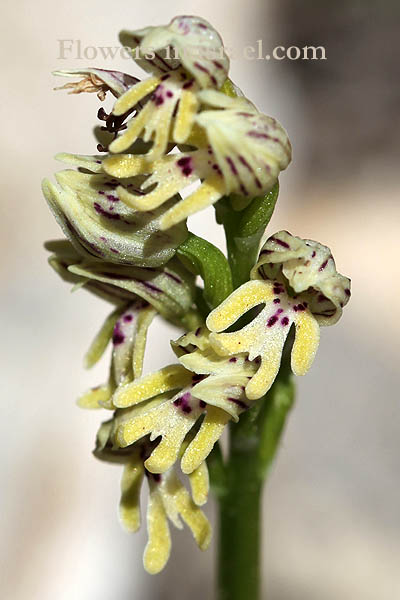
x,y
332,524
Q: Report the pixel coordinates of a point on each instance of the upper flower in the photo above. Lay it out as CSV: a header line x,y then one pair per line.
x,y
190,42
244,154
198,62
294,282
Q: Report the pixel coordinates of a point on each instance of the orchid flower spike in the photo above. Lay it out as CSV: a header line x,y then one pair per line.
x,y
295,282
245,152
92,217
202,393
168,499
198,62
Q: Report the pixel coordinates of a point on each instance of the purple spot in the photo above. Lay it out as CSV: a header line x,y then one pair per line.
x,y
128,318
188,84
118,336
184,403
217,64
313,254
100,211
280,242
279,311
151,286
272,320
239,403
277,300
114,250
299,307
243,190
202,404
174,277
197,332
232,165
322,267
169,94
233,359
347,292
285,321
205,70
185,164
245,163
259,135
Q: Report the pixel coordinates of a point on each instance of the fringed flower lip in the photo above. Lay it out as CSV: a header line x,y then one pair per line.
x,y
245,153
292,286
167,116
202,394
98,81
98,224
187,41
168,499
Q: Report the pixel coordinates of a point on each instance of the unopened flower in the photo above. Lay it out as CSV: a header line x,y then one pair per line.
x,y
98,81
198,62
138,293
168,497
204,391
92,217
245,153
169,289
296,282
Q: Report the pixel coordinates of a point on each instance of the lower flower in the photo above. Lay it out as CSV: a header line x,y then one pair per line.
x,y
168,500
200,395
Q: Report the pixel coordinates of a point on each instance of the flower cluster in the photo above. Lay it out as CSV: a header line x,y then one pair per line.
x,y
124,212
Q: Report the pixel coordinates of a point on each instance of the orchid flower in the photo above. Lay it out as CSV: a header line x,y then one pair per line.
x,y
296,282
245,153
171,401
168,497
199,62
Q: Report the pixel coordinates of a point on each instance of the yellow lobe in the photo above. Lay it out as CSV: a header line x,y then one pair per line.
x,y
164,380
306,343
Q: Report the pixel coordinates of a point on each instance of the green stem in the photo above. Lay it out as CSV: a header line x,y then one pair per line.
x,y
239,530
253,445
254,440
